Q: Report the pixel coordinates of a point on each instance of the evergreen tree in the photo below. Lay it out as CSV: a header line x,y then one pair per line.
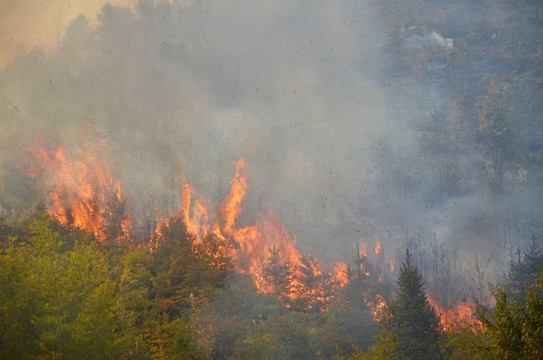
x,y
411,318
276,273
115,215
523,272
514,326
350,326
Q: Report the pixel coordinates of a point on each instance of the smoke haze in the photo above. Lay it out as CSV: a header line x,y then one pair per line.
x,y
301,89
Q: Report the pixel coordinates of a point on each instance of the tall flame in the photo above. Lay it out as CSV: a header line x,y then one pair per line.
x,y
233,204
81,190
84,195
339,272
250,245
378,251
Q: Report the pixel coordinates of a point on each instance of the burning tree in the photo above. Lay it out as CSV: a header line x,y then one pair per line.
x,y
82,192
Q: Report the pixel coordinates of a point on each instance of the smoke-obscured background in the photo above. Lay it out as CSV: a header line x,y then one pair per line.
x,y
414,123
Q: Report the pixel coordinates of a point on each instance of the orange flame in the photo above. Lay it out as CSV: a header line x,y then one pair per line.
x,y
339,273
83,194
185,208
197,223
453,316
363,247
378,250
81,190
378,307
248,246
232,206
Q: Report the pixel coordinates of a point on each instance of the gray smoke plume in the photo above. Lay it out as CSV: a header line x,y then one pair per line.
x,y
180,91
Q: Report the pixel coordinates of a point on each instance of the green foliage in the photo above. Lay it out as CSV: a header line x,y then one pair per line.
x,y
533,320
497,125
175,340
179,302
56,304
515,329
411,319
115,215
385,349
282,336
468,342
231,315
349,326
276,273
314,287
495,115
524,270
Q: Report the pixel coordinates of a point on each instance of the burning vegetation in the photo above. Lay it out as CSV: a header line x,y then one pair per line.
x,y
221,286
399,142
197,263
81,191
83,195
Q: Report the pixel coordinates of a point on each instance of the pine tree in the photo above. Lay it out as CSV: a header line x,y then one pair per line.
x,y
411,318
533,258
523,272
350,325
276,273
514,325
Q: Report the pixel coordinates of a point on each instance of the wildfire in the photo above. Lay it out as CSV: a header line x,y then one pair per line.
x,y
339,272
378,307
83,194
81,191
363,247
452,316
378,251
197,219
249,246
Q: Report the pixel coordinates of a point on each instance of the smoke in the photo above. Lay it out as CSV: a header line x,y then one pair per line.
x,y
179,91
431,39
26,25
182,92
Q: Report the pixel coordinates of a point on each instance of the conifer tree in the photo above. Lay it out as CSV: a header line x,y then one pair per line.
x,y
276,273
523,272
514,325
411,319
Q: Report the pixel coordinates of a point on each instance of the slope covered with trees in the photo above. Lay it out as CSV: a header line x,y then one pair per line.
x,y
449,167
65,295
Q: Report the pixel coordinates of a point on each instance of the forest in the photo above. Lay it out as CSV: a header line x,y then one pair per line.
x,y
66,295
289,180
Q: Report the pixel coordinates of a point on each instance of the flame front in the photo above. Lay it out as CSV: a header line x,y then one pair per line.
x,y
83,194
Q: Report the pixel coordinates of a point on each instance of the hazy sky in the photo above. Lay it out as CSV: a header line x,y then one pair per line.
x,y
27,24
